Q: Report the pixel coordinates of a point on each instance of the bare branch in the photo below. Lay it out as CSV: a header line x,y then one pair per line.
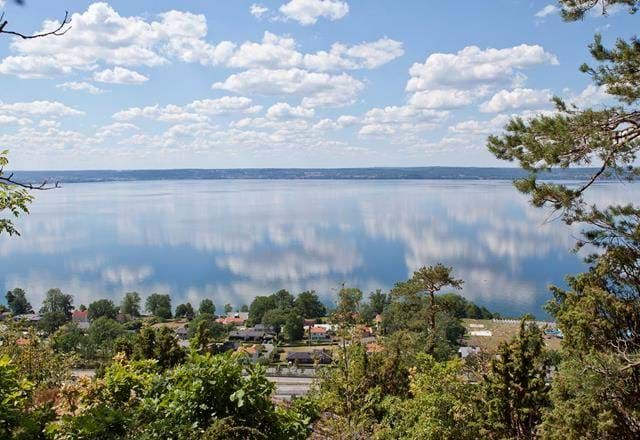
x,y
44,186
60,30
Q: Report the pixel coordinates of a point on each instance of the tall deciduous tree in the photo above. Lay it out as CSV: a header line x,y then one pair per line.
x,y
207,306
17,302
309,305
159,305
102,308
131,304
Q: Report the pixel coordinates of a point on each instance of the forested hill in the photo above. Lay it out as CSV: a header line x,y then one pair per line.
x,y
421,173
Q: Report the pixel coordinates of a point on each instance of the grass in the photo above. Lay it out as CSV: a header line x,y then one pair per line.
x,y
501,332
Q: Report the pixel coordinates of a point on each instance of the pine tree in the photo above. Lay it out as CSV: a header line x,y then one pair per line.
x,y
515,390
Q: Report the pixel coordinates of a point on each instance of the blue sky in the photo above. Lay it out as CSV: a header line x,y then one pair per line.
x,y
286,83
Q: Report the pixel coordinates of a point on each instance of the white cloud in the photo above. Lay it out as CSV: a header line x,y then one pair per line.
x,y
119,75
400,120
483,128
1,4
517,99
591,96
318,89
81,87
258,10
547,10
273,52
102,36
307,12
13,120
473,66
361,56
441,99
39,109
196,111
280,52
282,110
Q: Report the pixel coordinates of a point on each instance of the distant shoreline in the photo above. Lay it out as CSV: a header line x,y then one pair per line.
x,y
375,173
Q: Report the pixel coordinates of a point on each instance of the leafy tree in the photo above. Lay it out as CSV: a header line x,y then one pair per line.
x,y
276,318
244,308
283,299
228,308
14,199
259,306
131,304
82,308
215,330
515,390
185,311
600,311
159,305
159,344
56,310
102,308
293,326
201,337
14,397
56,301
309,305
348,304
441,405
17,302
70,339
207,306
378,301
104,331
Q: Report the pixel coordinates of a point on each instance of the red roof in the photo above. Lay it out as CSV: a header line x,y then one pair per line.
x,y
318,330
234,321
79,315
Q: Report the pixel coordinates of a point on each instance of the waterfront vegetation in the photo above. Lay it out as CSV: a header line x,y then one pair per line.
x,y
394,370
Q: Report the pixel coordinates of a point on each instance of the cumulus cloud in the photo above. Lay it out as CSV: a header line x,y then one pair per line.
x,y
258,10
473,66
441,99
361,56
39,109
547,10
81,87
196,111
399,119
307,12
517,99
318,89
119,75
283,110
102,36
280,52
591,96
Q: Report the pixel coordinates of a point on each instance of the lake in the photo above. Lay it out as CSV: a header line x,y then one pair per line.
x,y
231,240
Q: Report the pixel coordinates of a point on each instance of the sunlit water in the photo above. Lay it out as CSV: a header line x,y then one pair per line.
x,y
232,240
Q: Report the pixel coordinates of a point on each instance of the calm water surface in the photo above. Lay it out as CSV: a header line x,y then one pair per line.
x,y
232,240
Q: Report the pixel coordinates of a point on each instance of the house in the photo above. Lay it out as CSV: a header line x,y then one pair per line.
x,y
252,352
250,335
29,317
319,334
309,322
80,316
182,333
467,351
309,357
231,321
264,328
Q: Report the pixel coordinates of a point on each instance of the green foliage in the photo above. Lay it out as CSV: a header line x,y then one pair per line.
x,y
17,302
515,392
159,305
102,308
309,305
13,199
228,308
573,10
259,306
207,307
56,310
159,344
14,394
460,307
131,304
348,305
441,404
185,311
